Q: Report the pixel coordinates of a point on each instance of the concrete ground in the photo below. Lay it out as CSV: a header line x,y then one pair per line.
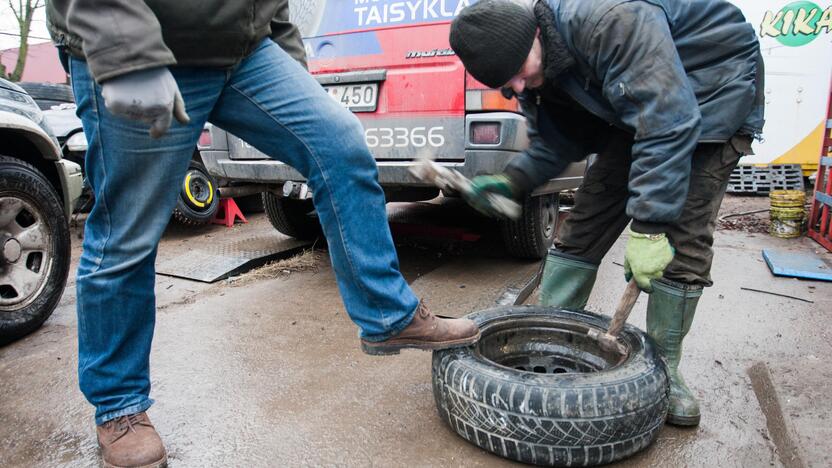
x,y
265,369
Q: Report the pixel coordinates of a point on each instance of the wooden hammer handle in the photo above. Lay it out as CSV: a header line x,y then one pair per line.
x,y
625,306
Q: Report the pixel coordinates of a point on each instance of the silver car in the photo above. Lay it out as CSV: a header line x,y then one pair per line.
x,y
38,189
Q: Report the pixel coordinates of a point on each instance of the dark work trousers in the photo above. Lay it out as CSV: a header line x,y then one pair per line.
x,y
598,217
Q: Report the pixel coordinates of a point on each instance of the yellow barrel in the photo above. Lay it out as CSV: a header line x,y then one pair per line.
x,y
788,216
787,198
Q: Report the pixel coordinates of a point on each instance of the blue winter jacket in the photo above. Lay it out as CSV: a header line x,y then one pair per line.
x,y
673,73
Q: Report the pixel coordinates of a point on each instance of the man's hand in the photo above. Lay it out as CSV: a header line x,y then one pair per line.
x,y
481,186
150,96
646,257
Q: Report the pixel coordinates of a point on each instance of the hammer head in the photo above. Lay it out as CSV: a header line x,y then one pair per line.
x,y
607,342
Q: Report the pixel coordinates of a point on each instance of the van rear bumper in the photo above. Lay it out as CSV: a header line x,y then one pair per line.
x,y
390,173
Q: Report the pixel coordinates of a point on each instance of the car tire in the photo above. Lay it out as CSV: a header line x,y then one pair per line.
x,y
34,260
537,389
532,234
295,218
199,199
47,95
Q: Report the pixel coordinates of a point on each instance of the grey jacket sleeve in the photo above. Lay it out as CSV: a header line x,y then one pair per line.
x,y
541,161
118,36
632,53
287,35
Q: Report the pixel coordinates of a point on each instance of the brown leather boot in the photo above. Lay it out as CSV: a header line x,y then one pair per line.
x,y
131,441
427,332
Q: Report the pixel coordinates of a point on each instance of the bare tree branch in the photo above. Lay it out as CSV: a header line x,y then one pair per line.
x,y
24,13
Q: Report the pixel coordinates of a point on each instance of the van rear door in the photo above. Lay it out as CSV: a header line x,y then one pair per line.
x,y
389,61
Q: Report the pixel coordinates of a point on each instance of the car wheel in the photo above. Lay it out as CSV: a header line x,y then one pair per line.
x,y
198,200
295,218
532,234
537,389
34,249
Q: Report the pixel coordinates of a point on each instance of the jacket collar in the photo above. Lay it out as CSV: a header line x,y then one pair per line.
x,y
556,56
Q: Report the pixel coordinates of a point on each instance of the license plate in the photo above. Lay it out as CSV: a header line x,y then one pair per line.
x,y
361,97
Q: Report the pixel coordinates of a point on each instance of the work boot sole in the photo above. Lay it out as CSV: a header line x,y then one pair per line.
x,y
158,464
685,421
383,348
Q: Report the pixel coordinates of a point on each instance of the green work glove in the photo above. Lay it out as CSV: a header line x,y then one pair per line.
x,y
481,186
646,257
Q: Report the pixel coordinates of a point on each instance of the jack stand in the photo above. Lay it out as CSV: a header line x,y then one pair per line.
x,y
228,213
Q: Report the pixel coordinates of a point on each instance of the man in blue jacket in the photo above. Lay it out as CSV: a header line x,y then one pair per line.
x,y
668,94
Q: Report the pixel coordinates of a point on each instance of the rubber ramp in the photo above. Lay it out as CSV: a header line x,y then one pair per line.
x,y
219,261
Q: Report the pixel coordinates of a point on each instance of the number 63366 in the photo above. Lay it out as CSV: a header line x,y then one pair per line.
x,y
401,137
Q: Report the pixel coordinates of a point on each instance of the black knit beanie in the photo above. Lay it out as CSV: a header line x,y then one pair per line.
x,y
493,39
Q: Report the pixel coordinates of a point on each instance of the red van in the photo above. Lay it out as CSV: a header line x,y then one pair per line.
x,y
389,62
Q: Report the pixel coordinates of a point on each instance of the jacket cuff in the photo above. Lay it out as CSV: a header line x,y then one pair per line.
x,y
521,184
645,227
106,71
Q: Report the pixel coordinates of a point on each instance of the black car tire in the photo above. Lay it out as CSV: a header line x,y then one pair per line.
x,y
47,95
537,389
295,218
30,209
199,199
532,234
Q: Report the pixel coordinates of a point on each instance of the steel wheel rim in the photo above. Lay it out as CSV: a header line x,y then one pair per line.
x,y
549,212
199,191
543,346
26,253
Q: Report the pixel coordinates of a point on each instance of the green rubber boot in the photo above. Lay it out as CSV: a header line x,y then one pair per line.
x,y
670,311
567,280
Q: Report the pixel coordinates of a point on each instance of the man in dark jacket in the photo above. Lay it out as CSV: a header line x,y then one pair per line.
x,y
667,93
137,66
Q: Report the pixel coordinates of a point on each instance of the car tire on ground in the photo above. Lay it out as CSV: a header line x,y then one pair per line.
x,y
198,199
47,95
34,249
295,218
532,234
537,389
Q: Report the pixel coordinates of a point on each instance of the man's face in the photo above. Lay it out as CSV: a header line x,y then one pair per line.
x,y
530,75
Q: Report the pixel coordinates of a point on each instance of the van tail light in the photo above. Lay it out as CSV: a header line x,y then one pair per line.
x,y
204,138
485,133
489,100
479,98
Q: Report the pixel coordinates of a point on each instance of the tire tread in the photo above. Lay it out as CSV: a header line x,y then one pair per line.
x,y
554,424
291,218
523,238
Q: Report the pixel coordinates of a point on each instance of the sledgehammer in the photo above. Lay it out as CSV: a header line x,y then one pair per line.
x,y
609,340
428,171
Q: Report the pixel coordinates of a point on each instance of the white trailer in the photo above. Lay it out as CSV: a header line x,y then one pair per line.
x,y
796,41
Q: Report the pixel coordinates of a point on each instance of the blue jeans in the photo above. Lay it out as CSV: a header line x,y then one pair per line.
x,y
270,101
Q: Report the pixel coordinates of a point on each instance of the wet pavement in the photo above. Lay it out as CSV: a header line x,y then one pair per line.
x,y
265,370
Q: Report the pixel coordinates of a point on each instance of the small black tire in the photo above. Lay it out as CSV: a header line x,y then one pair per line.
x,y
532,234
199,199
33,276
47,95
295,218
537,389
